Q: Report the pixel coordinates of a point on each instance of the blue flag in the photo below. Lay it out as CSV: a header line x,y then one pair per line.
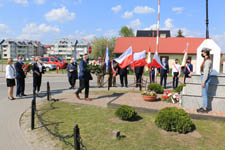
x,y
107,58
75,51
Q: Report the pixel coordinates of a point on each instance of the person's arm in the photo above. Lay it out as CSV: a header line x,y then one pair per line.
x,y
68,68
206,71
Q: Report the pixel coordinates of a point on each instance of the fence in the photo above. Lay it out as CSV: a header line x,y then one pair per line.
x,y
78,144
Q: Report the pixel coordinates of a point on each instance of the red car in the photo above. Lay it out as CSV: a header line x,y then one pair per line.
x,y
58,61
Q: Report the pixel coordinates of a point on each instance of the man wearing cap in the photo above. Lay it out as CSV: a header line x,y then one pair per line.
x,y
188,69
206,68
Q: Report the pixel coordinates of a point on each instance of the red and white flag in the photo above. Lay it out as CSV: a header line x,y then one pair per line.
x,y
156,61
149,58
185,55
126,58
139,59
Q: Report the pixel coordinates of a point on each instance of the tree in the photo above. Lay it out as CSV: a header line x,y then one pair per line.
x,y
180,33
126,32
99,46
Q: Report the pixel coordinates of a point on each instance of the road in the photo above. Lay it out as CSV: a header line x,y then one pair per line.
x,y
11,137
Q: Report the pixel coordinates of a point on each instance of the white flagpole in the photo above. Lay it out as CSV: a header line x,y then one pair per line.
x,y
157,39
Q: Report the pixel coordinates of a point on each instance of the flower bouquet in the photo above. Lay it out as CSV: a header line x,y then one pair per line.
x,y
170,97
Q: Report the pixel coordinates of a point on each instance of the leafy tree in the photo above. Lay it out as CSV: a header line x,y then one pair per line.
x,y
99,46
126,32
180,33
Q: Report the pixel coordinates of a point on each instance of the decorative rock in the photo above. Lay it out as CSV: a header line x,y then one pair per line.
x,y
116,134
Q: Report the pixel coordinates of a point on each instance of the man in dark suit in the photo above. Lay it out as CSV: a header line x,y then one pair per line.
x,y
138,72
123,76
84,77
72,73
188,69
20,77
164,72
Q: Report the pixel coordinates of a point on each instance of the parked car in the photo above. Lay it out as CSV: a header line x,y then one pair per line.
x,y
58,61
49,66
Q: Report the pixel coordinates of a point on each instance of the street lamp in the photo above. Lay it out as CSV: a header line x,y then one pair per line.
x,y
207,20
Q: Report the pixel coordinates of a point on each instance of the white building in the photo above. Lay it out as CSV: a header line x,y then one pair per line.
x,y
65,48
13,48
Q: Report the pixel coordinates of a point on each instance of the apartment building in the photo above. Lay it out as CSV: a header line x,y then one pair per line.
x,y
65,48
13,48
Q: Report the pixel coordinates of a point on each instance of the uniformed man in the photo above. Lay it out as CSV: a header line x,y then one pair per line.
x,y
138,72
164,72
123,76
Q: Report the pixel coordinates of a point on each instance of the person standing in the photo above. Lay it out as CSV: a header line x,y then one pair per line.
x,y
164,72
152,74
206,68
10,75
37,69
123,76
100,75
188,69
84,77
72,73
176,73
138,72
20,77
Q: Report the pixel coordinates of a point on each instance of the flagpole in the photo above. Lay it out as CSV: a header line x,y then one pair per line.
x,y
157,39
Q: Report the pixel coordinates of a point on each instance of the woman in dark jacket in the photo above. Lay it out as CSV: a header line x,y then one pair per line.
x,y
72,73
38,69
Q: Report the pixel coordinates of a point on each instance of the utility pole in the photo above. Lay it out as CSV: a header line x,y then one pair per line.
x,y
207,20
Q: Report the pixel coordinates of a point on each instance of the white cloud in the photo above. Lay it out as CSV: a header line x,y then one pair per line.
x,y
111,33
4,29
143,10
168,24
99,30
178,10
40,2
127,15
135,23
60,15
35,32
89,37
220,40
22,2
117,8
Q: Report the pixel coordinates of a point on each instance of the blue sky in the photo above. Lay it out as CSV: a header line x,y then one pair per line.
x,y
48,20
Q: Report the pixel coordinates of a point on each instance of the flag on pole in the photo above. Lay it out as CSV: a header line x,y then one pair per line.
x,y
156,61
185,55
139,59
149,58
107,58
75,51
158,21
126,58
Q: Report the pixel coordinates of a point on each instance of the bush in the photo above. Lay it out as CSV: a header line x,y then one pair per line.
x,y
126,113
180,88
156,87
174,119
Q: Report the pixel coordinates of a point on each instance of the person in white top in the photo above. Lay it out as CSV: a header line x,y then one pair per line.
x,y
10,78
176,73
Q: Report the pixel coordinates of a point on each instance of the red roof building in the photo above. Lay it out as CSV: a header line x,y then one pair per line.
x,y
171,45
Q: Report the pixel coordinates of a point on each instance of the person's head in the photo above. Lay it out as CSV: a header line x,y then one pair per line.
x,y
100,59
85,57
189,60
164,60
176,61
19,57
72,60
37,58
10,61
206,53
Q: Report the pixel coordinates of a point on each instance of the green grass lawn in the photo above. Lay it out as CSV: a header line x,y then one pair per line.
x,y
97,124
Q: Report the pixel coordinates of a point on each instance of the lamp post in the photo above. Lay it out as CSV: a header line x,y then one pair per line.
x,y
207,20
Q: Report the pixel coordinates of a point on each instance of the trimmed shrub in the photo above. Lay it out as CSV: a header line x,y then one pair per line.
x,y
174,119
180,88
156,87
126,113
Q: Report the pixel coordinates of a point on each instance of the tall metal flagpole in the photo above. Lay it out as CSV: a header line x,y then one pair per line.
x,y
75,51
157,39
207,20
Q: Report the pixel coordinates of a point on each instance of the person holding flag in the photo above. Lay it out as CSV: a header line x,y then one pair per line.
x,y
188,69
164,71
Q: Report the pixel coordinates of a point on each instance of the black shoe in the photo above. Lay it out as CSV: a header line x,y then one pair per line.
x,y
23,95
202,110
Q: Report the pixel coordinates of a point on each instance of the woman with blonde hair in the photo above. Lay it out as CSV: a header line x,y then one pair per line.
x,y
10,78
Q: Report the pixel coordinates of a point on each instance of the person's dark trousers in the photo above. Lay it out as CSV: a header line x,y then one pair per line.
x,y
152,76
138,79
110,78
20,83
84,84
72,81
175,79
37,83
163,78
122,79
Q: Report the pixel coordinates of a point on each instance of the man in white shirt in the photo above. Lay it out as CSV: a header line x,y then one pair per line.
x,y
176,73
